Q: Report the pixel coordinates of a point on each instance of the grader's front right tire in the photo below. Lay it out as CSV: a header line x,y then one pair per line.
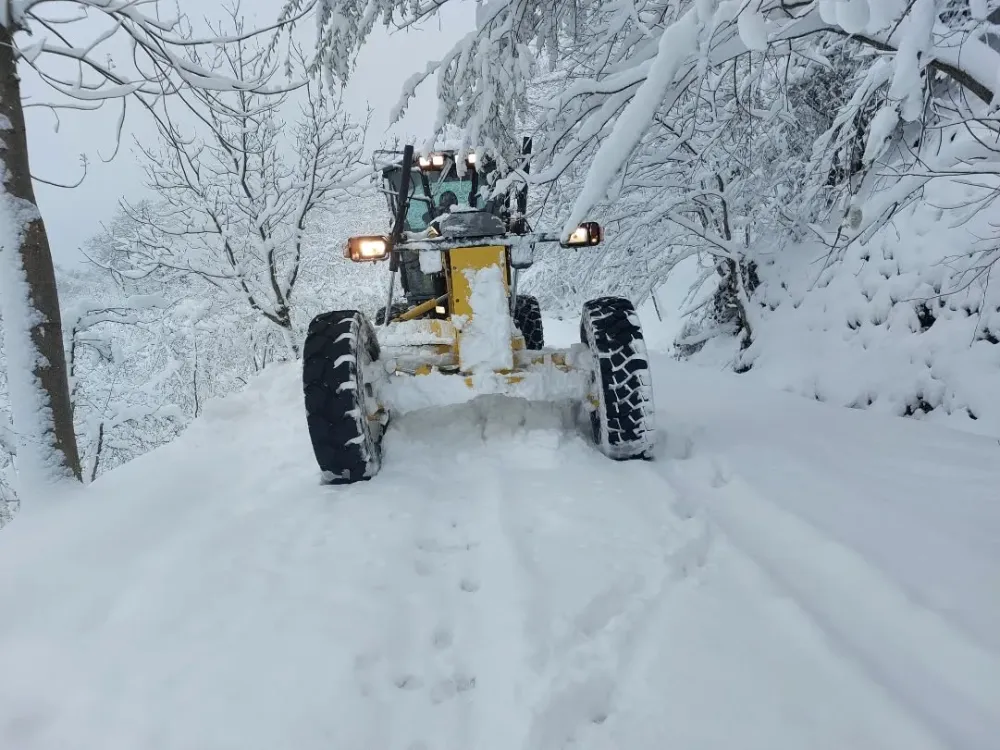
x,y
621,393
342,410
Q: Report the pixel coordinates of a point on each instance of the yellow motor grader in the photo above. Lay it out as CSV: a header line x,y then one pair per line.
x,y
463,330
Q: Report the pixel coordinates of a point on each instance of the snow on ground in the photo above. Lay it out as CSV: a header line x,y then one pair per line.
x,y
786,574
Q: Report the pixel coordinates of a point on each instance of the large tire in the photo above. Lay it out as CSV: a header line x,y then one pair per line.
x,y
341,407
622,418
528,319
396,309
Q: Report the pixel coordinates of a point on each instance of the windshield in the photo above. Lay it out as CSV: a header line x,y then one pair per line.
x,y
432,193
445,191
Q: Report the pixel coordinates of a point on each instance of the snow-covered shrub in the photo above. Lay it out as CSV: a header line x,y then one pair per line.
x,y
907,323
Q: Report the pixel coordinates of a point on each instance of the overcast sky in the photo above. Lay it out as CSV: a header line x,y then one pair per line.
x,y
71,216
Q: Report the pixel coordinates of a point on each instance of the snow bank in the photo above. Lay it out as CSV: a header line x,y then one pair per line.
x,y
883,529
904,324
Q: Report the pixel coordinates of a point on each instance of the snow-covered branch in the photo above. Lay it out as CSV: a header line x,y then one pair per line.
x,y
234,208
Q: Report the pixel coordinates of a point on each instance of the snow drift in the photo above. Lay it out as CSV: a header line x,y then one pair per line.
x,y
906,323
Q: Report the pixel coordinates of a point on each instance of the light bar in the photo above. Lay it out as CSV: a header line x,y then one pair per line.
x,y
434,162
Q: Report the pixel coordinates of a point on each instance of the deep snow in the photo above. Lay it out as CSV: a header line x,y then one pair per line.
x,y
786,574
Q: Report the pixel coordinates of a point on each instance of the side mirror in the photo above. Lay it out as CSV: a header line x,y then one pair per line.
x,y
587,234
367,249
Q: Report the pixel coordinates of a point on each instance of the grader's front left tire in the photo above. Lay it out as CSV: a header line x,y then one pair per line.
x,y
342,409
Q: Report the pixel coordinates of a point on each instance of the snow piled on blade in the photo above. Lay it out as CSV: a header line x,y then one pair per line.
x,y
785,575
486,337
536,383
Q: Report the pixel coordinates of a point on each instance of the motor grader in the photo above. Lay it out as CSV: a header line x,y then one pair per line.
x,y
462,329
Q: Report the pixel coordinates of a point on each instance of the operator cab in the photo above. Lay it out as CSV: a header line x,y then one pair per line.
x,y
438,195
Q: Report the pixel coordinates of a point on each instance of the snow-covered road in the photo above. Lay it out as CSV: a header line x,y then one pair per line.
x,y
785,575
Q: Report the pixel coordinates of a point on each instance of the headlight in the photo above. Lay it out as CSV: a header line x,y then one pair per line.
x,y
361,249
586,235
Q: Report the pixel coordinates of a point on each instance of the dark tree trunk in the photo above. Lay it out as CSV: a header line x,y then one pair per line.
x,y
283,317
58,439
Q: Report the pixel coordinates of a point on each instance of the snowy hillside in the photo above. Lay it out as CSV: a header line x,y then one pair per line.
x,y
786,574
906,323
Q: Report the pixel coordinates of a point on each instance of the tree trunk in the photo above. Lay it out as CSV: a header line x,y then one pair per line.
x,y
284,320
36,360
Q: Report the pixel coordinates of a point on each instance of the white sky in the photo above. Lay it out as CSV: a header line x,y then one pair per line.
x,y
71,216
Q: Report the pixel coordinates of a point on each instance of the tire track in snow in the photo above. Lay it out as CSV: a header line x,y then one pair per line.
x,y
899,645
464,647
579,667
544,670
431,678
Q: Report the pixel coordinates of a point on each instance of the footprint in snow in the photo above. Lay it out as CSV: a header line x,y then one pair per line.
x,y
451,687
442,637
408,682
721,475
421,567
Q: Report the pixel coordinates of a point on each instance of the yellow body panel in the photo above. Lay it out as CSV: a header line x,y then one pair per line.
x,y
443,328
464,259
460,261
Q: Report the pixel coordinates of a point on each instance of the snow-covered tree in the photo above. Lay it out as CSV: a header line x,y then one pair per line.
x,y
236,195
148,352
89,52
627,61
